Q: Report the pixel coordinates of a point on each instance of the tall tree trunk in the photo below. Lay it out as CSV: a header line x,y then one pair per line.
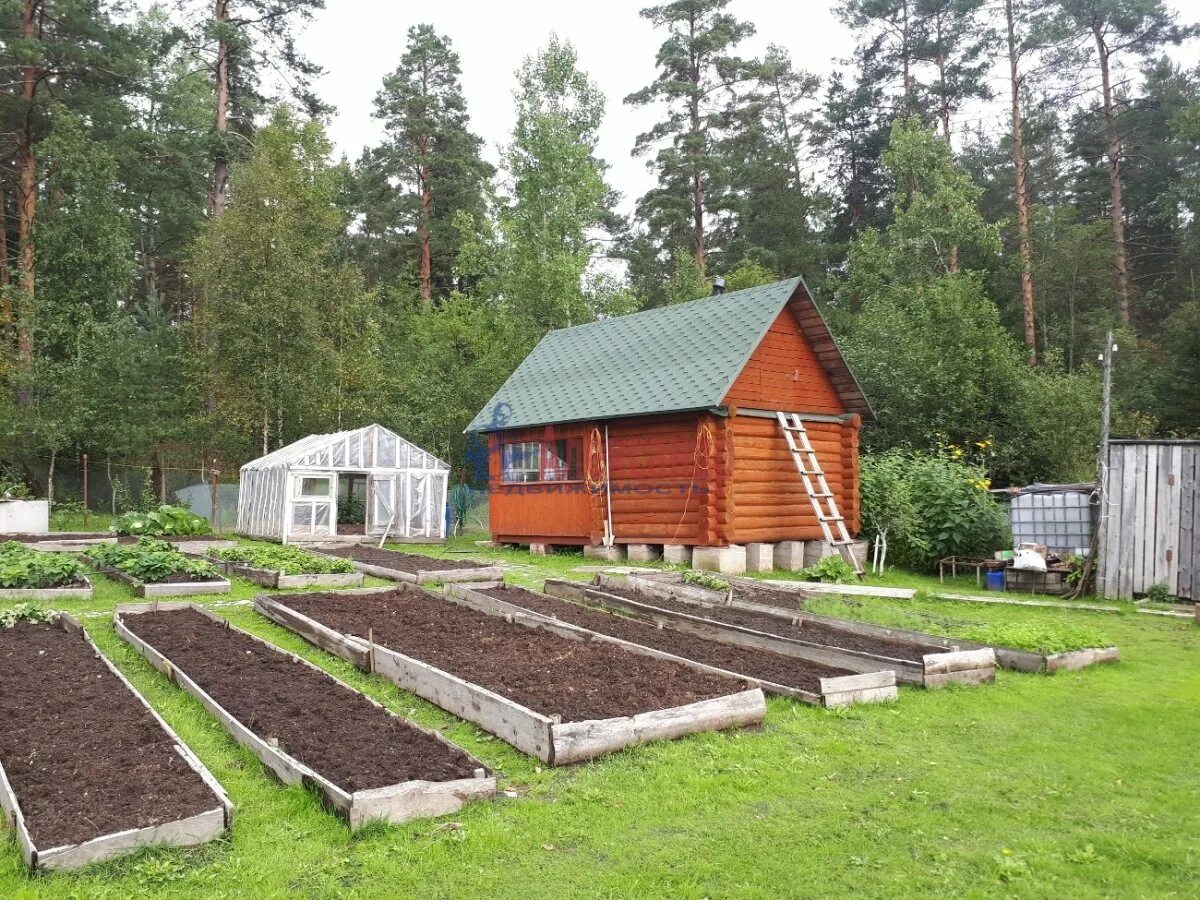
x,y
31,27
787,132
6,309
1020,174
1113,151
5,277
426,216
697,142
219,198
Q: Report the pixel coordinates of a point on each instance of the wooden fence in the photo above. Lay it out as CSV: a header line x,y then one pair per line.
x,y
1150,524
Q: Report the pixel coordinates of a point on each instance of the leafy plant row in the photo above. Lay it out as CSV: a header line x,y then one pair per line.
x,y
166,520
151,561
288,560
23,567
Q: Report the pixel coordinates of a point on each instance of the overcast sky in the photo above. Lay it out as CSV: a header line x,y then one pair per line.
x,y
616,47
357,42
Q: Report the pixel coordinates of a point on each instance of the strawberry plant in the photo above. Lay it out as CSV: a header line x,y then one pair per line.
x,y
288,560
151,561
22,567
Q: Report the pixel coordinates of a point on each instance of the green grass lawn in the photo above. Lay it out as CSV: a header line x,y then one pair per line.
x,y
1078,785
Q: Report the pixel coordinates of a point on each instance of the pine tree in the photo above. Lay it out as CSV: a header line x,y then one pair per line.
x,y
889,38
240,39
428,169
1118,29
697,71
71,53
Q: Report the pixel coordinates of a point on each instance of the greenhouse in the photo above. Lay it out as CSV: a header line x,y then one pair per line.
x,y
369,481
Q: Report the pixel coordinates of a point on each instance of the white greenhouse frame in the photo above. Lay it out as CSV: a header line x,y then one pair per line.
x,y
282,497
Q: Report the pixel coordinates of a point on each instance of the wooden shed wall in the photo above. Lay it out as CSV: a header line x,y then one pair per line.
x,y
784,373
561,512
768,498
1151,527
660,494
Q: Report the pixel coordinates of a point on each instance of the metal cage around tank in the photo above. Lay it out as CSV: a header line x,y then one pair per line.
x,y
291,494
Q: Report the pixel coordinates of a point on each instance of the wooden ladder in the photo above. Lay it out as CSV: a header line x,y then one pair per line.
x,y
833,523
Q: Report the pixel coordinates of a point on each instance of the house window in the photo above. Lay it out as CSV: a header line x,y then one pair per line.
x,y
561,460
314,487
522,462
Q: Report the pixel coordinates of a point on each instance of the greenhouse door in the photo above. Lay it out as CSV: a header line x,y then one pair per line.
x,y
312,514
381,503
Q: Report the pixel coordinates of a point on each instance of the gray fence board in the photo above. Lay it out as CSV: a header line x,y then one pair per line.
x,y
1152,530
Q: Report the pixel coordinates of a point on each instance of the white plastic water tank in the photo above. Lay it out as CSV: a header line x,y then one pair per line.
x,y
24,516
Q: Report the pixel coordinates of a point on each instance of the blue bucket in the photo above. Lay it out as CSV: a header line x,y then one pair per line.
x,y
993,579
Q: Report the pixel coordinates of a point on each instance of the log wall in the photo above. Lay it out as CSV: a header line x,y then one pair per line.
x,y
767,494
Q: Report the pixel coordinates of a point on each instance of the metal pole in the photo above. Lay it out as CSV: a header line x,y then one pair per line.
x,y
1106,362
85,491
213,492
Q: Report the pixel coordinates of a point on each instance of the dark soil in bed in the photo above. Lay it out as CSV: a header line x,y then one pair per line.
x,y
774,667
83,755
403,562
803,630
331,729
542,671
27,538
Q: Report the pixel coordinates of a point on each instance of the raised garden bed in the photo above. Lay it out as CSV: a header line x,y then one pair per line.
x,y
560,698
278,566
156,569
410,567
79,541
28,574
88,770
916,661
751,595
775,673
61,541
305,725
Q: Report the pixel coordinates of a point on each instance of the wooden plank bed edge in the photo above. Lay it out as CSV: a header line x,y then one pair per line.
x,y
404,799
515,612
523,728
868,687
146,589
189,831
70,593
1080,659
527,730
456,575
579,741
1006,657
855,661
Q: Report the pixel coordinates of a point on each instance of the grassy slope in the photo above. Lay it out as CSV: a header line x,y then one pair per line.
x,y
1082,784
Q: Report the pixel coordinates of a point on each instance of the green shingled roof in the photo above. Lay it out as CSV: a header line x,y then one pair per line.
x,y
671,359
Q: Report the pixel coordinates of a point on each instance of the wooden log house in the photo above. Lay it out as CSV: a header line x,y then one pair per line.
x,y
661,427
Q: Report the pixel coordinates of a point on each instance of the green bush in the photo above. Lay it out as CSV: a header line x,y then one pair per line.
x,y
832,569
151,561
932,505
288,560
166,520
22,567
